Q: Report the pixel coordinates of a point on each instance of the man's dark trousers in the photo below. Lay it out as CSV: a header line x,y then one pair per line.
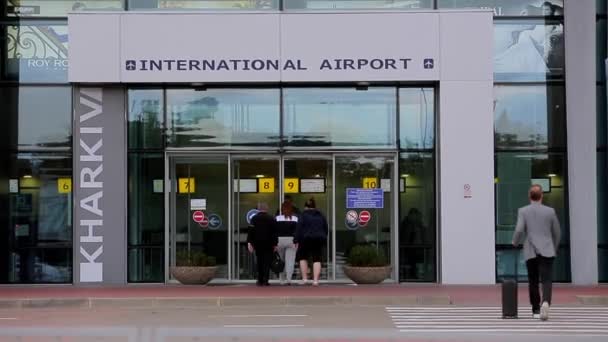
x,y
540,269
264,258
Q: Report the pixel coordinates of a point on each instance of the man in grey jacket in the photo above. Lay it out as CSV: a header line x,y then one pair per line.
x,y
538,227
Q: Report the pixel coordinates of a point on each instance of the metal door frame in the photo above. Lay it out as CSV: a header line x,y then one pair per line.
x,y
394,155
233,208
172,157
327,156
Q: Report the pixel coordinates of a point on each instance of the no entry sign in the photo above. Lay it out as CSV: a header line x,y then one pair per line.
x,y
198,216
364,217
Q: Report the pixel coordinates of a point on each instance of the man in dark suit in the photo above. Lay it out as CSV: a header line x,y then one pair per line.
x,y
263,239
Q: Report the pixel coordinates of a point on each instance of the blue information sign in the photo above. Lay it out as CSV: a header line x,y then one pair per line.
x,y
357,198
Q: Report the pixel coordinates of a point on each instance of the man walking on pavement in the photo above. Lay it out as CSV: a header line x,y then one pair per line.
x,y
263,238
538,227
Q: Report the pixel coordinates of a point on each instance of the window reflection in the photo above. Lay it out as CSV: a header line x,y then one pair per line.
x,y
417,217
38,117
529,117
146,218
528,50
510,7
57,8
220,117
358,4
36,53
417,118
146,118
602,48
37,236
515,172
205,4
340,116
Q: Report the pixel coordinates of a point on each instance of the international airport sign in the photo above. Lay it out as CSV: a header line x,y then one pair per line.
x,y
287,47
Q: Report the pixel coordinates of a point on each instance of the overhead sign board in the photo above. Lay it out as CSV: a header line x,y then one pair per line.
x,y
289,47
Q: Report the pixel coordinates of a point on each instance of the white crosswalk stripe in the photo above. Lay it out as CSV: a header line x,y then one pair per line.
x,y
577,320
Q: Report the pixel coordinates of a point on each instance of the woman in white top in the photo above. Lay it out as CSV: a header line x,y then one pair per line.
x,y
287,222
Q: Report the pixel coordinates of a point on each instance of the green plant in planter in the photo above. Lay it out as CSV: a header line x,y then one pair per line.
x,y
366,256
193,259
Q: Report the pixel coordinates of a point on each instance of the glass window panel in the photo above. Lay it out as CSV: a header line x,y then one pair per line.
x,y
602,48
358,4
529,117
531,50
602,116
57,8
601,6
146,218
340,117
417,118
603,264
146,118
36,219
204,4
510,264
37,117
417,229
223,117
515,172
35,52
602,197
510,7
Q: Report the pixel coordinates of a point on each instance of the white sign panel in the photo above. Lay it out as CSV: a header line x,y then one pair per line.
x,y
246,185
13,186
198,204
385,184
256,47
314,185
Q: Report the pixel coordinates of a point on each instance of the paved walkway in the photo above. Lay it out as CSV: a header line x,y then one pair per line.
x,y
405,294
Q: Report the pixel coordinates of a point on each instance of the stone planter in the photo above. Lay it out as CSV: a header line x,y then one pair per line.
x,y
193,275
367,275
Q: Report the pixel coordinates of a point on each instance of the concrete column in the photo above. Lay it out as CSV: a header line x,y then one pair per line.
x,y
466,149
580,32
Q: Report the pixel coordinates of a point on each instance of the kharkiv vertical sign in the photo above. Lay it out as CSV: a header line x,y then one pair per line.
x,y
100,186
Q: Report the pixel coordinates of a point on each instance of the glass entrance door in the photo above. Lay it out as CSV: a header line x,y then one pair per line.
x,y
214,197
365,210
255,180
312,177
199,210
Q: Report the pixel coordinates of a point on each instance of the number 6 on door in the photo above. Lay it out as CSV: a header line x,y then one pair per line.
x,y
291,185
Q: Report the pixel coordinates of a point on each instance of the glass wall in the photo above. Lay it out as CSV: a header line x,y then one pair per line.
x,y
146,223
36,191
388,118
223,117
529,119
357,4
340,117
602,127
417,203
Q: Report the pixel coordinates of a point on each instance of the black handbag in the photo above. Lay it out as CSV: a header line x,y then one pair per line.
x,y
277,265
